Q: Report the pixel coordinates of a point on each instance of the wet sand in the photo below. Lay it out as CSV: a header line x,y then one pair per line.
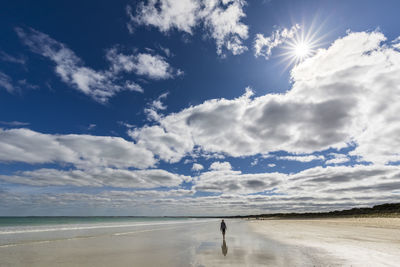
x,y
351,241
247,243
194,244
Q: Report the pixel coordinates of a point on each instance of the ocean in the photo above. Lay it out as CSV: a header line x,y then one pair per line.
x,y
20,230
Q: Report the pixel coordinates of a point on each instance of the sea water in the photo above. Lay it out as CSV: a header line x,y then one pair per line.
x,y
20,230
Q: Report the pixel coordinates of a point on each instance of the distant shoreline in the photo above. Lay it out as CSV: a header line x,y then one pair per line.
x,y
388,210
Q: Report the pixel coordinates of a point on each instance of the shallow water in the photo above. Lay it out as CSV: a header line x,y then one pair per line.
x,y
190,243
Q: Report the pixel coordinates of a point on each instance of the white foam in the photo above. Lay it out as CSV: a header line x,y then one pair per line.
x,y
100,226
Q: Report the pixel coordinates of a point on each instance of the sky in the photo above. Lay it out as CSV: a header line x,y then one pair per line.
x,y
198,107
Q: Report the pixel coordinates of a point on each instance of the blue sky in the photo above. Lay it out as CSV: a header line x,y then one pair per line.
x,y
198,107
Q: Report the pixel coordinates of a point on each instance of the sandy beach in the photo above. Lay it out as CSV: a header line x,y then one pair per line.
x,y
328,242
350,241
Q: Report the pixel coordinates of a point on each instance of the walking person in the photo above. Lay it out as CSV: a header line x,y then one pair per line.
x,y
223,228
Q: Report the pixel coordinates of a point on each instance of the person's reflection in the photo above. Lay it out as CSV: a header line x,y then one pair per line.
x,y
224,248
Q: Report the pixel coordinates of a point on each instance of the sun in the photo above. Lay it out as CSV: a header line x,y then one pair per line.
x,y
299,48
302,50
303,44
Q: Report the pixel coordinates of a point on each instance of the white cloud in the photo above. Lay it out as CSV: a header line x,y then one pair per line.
x,y
6,83
157,104
152,114
271,165
187,161
152,66
91,126
396,43
106,202
170,146
221,18
224,180
263,45
315,189
197,167
13,59
100,85
307,158
83,151
127,125
351,182
337,159
97,177
166,51
347,93
166,14
11,86
220,166
132,86
14,123
152,110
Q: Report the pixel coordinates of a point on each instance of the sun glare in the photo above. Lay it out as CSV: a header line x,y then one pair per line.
x,y
303,44
301,50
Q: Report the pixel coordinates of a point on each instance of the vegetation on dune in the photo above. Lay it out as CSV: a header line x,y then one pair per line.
x,y
384,210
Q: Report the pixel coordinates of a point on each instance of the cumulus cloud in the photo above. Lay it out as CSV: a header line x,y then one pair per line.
x,y
166,14
263,45
347,93
221,19
316,189
100,85
169,146
83,151
336,158
197,167
104,203
154,67
221,179
396,42
325,186
254,162
220,166
148,65
152,109
98,177
305,158
358,181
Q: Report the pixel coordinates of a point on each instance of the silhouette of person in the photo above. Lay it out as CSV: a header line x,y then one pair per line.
x,y
224,248
223,228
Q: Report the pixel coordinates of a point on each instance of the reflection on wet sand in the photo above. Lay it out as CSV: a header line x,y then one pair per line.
x,y
224,248
246,248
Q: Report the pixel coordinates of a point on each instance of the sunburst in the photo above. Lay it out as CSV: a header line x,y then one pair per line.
x,y
304,44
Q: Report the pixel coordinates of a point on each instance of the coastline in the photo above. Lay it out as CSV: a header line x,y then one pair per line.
x,y
191,244
269,242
